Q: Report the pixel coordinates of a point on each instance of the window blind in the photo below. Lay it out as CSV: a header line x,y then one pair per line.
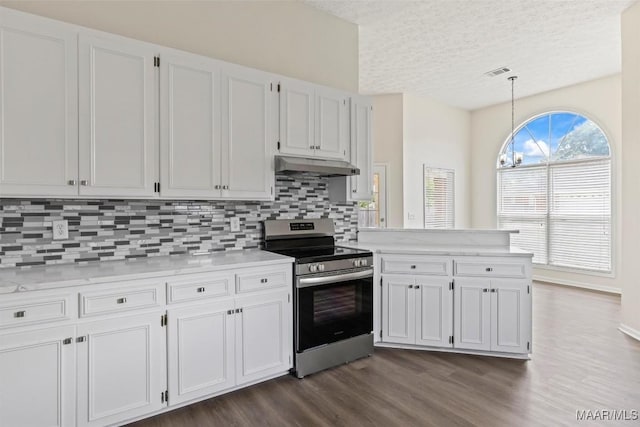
x,y
439,198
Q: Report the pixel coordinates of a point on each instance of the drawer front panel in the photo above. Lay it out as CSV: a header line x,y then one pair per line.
x,y
438,266
31,312
491,268
256,279
199,286
114,301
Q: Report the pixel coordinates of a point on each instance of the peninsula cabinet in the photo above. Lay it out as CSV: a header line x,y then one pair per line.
x,y
39,106
314,120
461,303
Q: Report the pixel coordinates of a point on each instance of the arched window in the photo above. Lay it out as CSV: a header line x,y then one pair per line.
x,y
554,186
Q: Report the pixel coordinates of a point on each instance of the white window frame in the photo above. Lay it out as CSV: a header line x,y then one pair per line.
x,y
612,189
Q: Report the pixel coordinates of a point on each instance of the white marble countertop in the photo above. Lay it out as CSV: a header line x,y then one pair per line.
x,y
65,275
409,249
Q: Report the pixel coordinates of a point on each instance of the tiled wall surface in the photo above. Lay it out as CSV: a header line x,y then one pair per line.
x,y
122,229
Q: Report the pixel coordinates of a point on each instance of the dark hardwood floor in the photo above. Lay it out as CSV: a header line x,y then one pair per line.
x,y
580,361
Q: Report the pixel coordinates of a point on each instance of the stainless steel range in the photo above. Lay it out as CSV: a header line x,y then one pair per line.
x,y
333,298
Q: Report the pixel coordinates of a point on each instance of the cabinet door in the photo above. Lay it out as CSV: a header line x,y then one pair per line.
x,y
263,336
247,171
398,309
190,126
434,311
118,108
510,315
38,368
121,369
201,350
297,118
361,149
38,107
332,123
472,322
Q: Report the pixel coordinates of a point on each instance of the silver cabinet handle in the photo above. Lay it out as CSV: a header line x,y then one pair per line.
x,y
84,182
413,267
410,286
216,187
488,269
264,280
201,289
81,339
494,290
317,147
121,300
72,182
20,313
417,286
354,191
67,341
485,290
229,311
225,187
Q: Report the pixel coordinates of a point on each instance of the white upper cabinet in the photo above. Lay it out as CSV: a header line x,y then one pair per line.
x,y
314,120
118,112
189,126
332,124
297,118
247,138
361,148
38,107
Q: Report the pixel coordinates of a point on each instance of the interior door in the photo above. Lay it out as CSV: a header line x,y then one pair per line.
x,y
118,117
247,147
472,305
510,308
434,314
38,107
297,118
398,309
38,368
201,350
190,126
263,336
121,369
332,123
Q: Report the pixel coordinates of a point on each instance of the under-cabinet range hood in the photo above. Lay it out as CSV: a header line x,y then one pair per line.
x,y
287,165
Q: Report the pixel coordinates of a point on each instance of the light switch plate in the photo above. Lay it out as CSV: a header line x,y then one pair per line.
x,y
234,223
60,230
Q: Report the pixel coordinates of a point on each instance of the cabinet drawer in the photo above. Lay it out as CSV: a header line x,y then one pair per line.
x,y
32,311
256,279
438,266
199,286
491,268
118,300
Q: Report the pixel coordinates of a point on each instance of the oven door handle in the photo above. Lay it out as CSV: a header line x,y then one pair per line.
x,y
323,280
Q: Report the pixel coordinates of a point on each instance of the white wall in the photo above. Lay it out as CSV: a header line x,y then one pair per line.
x,y
630,274
600,100
387,148
438,136
284,37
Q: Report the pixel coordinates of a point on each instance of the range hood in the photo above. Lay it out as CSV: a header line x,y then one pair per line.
x,y
287,165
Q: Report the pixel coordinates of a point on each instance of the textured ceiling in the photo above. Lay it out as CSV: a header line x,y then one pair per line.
x,y
442,48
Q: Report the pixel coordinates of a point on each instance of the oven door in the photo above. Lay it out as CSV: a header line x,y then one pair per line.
x,y
331,308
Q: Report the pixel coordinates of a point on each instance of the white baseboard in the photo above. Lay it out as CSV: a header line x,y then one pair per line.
x,y
575,284
633,333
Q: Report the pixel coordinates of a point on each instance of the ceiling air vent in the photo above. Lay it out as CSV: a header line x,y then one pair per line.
x,y
497,72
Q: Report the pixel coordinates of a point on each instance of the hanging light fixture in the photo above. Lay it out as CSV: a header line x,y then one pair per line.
x,y
516,158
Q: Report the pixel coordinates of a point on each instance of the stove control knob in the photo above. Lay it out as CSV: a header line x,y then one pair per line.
x,y
356,263
313,268
321,267
363,262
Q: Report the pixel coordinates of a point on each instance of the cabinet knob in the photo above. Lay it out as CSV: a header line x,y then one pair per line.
x,y
410,286
121,300
413,267
264,280
20,313
72,182
417,286
216,187
201,289
494,290
225,187
84,182
488,269
312,146
485,290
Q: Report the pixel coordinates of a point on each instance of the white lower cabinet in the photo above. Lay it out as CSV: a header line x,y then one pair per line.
x,y
38,378
489,314
201,351
493,315
121,369
263,338
416,310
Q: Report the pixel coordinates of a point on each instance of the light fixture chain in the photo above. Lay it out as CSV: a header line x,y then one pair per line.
x,y
513,122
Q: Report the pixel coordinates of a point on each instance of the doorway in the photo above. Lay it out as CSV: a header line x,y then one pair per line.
x,y
373,213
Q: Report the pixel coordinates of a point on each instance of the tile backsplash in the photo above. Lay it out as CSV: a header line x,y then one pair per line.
x,y
123,229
